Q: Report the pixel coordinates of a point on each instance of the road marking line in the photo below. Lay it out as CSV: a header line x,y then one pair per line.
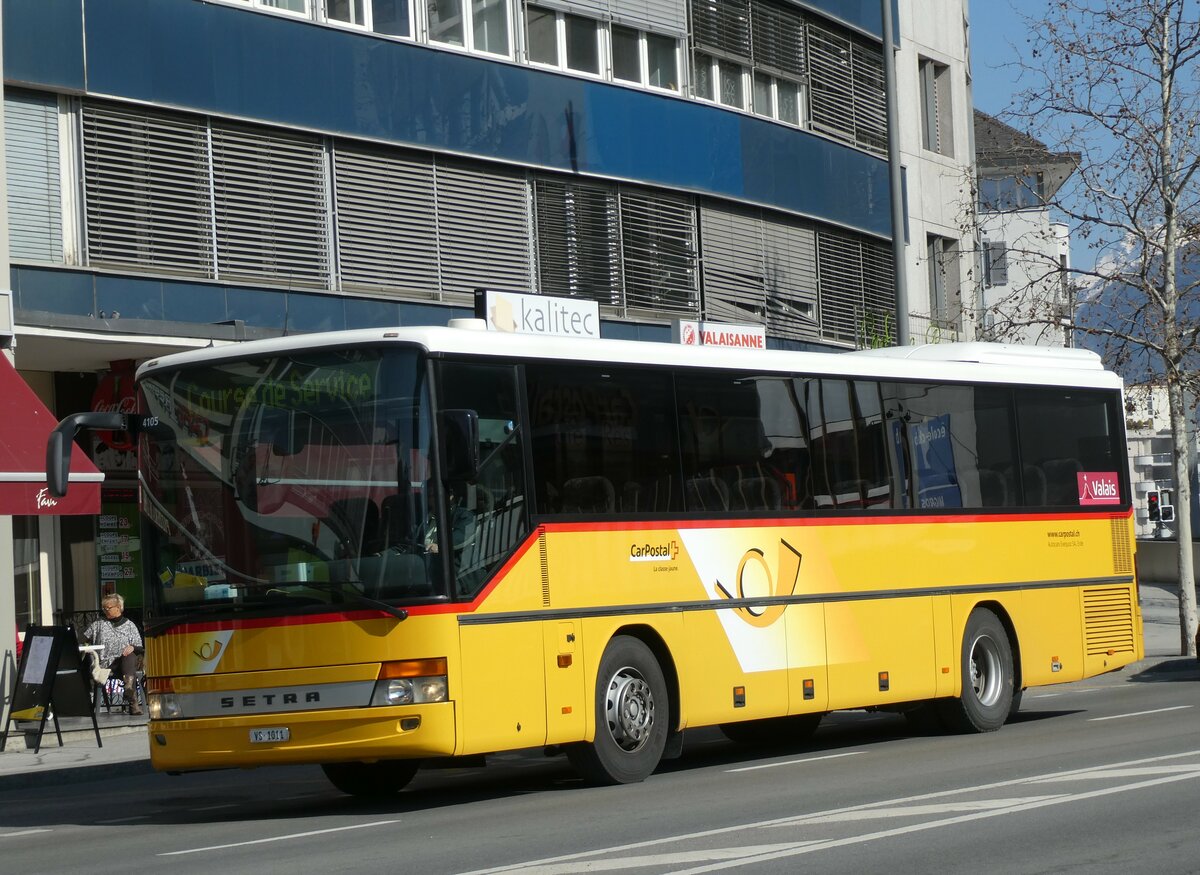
x,y
216,807
670,859
1124,773
24,832
913,810
123,819
800,819
832,756
295,835
1139,713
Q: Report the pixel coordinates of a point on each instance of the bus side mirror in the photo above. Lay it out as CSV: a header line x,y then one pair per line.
x,y
58,447
458,434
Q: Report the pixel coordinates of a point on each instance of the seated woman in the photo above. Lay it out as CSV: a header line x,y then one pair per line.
x,y
122,645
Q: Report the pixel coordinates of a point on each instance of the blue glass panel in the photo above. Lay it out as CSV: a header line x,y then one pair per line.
x,y
194,302
431,314
315,312
43,43
128,298
257,307
54,291
361,313
235,62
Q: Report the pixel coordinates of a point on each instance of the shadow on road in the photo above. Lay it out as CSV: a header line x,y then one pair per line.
x,y
1182,668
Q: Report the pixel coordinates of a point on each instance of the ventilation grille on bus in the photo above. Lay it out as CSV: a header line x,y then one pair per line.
x,y
1108,620
1122,555
545,567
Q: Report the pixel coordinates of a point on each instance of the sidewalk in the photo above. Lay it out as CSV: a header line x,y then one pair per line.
x,y
126,749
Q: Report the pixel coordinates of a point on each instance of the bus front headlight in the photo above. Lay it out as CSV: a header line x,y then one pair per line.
x,y
411,682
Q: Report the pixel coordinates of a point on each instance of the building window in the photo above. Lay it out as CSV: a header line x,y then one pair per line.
x,y
480,26
299,7
937,121
586,45
390,17
582,44
995,263
750,55
1003,193
945,304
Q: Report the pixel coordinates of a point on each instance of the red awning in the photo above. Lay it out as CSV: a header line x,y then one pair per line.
x,y
25,425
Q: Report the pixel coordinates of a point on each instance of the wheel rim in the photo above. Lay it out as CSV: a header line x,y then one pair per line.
x,y
986,673
629,709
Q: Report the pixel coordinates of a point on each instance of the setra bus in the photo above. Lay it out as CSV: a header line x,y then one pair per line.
x,y
375,548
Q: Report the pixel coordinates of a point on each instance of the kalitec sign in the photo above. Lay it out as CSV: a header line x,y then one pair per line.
x,y
538,314
1098,488
690,333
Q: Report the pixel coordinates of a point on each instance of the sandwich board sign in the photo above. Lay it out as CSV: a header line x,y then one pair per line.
x,y
51,681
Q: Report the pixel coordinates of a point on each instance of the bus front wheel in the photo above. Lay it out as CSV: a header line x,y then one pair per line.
x,y
371,780
632,715
987,677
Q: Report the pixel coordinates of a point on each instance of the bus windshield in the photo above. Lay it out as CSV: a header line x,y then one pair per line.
x,y
291,483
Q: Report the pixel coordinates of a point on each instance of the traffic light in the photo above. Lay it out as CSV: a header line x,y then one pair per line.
x,y
1166,511
1152,503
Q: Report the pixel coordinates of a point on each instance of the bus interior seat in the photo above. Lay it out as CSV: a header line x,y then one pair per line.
x,y
1062,484
993,491
1034,482
707,492
756,493
592,494
355,521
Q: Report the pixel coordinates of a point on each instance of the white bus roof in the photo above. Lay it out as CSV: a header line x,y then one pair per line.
x,y
949,362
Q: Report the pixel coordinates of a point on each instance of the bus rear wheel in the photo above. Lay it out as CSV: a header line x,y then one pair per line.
x,y
773,731
632,710
371,780
987,677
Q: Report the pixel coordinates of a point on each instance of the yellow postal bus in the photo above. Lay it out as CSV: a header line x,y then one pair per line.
x,y
376,548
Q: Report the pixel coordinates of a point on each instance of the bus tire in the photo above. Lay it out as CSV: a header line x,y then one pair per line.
x,y
987,677
1016,705
773,731
371,780
632,710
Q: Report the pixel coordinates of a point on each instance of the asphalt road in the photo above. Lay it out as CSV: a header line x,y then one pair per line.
x,y
1098,776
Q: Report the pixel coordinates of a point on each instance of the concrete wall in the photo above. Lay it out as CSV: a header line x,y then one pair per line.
x,y
1157,563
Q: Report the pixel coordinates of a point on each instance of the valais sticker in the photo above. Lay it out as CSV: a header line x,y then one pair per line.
x,y
1098,488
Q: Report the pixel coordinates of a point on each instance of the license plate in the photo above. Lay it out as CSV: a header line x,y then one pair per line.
x,y
279,733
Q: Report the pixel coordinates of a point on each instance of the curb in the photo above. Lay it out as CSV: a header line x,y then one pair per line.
x,y
57,776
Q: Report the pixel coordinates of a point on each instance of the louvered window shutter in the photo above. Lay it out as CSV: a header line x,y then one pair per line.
x,y
831,82
271,207
146,183
995,254
857,284
578,240
879,284
734,271
778,32
32,169
839,263
790,258
722,27
660,16
483,230
658,245
870,108
386,221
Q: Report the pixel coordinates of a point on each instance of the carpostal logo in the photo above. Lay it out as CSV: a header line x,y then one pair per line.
x,y
654,552
1098,488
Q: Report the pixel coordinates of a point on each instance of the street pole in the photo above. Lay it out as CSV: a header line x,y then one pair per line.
x,y
895,179
8,583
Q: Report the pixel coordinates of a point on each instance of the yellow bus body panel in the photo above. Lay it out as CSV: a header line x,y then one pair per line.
x,y
751,619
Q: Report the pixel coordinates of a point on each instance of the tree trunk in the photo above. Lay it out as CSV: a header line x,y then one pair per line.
x,y
1182,453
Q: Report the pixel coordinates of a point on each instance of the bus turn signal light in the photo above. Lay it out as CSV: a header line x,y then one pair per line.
x,y
412,668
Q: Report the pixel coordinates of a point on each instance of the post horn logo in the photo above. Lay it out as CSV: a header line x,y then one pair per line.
x,y
781,583
208,651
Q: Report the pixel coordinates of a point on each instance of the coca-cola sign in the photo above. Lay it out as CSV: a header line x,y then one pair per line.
x,y
116,393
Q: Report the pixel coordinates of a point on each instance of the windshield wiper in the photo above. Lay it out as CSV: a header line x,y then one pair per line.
x,y
355,596
158,625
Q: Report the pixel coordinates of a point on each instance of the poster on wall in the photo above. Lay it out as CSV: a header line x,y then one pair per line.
x,y
119,545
